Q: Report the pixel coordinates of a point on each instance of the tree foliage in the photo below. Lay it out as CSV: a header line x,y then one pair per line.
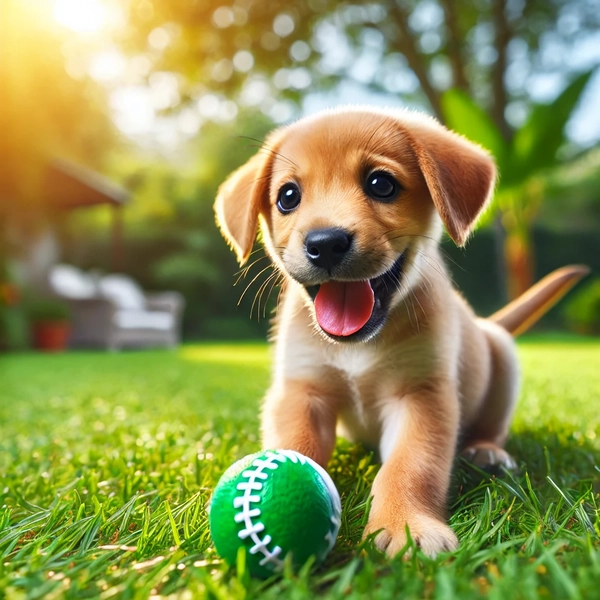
x,y
44,112
416,49
171,240
523,161
474,64
534,146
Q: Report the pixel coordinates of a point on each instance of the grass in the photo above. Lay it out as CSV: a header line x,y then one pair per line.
x,y
107,462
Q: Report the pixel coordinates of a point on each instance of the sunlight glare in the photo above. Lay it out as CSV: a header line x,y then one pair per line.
x,y
81,16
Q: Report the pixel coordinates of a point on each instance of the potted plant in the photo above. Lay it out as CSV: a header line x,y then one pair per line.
x,y
49,324
13,323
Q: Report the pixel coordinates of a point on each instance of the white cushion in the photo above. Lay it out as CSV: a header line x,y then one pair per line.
x,y
70,282
123,291
144,319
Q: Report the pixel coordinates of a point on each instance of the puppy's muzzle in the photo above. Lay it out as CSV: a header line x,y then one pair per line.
x,y
327,248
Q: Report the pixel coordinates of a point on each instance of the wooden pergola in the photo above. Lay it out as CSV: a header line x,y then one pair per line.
x,y
70,186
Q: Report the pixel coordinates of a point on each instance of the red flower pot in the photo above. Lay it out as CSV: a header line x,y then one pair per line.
x,y
51,336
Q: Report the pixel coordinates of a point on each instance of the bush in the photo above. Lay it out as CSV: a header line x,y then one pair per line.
x,y
583,309
14,331
47,310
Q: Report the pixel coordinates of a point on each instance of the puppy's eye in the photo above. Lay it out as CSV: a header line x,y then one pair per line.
x,y
382,186
288,198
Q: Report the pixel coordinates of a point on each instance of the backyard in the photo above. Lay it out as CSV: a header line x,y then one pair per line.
x,y
107,462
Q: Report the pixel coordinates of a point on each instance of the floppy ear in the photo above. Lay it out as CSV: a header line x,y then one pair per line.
x,y
460,176
239,202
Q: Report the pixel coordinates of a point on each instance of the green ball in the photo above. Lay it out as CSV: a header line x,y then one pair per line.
x,y
274,503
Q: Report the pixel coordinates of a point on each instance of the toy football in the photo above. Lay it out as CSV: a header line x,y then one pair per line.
x,y
274,503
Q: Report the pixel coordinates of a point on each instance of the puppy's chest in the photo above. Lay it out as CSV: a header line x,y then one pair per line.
x,y
376,382
359,417
355,362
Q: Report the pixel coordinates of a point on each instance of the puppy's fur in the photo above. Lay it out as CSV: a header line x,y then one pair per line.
x,y
426,377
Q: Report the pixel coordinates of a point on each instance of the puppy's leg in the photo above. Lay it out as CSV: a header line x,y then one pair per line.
x,y
410,490
301,415
485,437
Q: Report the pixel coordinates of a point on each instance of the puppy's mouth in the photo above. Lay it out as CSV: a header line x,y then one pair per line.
x,y
356,310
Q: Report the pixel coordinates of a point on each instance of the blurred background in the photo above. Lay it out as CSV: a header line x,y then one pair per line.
x,y
120,118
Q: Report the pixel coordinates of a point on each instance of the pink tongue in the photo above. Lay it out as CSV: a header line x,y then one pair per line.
x,y
343,308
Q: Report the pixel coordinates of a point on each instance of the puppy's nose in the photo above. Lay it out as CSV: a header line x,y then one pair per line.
x,y
326,248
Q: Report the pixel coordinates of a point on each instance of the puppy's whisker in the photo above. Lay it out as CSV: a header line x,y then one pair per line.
x,y
258,295
414,296
263,177
279,284
400,232
424,279
242,273
400,288
375,132
440,248
256,259
417,235
386,237
247,267
405,293
253,280
433,264
256,251
409,295
275,282
257,179
423,274
262,146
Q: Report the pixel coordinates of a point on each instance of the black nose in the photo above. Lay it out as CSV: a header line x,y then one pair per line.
x,y
327,247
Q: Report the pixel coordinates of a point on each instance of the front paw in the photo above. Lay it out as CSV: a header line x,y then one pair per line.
x,y
431,535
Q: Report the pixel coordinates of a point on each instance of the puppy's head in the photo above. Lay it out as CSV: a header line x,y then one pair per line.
x,y
347,200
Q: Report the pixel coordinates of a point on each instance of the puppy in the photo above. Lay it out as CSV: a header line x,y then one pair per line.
x,y
371,337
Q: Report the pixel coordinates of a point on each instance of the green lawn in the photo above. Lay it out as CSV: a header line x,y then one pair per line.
x,y
107,461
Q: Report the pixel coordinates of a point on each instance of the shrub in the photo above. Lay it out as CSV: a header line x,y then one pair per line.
x,y
47,310
583,309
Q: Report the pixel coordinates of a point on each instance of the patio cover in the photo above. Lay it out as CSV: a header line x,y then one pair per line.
x,y
70,186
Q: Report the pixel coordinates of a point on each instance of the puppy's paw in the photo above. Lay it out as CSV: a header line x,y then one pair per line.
x,y
488,457
430,534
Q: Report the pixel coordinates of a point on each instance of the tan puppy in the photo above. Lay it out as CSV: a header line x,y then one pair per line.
x,y
371,336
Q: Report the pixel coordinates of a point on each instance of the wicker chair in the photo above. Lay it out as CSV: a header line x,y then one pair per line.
x,y
112,312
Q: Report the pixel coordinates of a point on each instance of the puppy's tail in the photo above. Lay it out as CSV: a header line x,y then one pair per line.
x,y
520,314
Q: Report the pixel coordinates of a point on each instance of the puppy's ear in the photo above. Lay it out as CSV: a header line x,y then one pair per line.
x,y
460,177
239,202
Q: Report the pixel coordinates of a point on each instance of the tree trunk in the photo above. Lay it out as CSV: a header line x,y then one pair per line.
x,y
504,244
519,214
503,35
499,258
518,254
407,45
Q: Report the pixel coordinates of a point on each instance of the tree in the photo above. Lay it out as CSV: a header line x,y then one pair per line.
x,y
523,161
44,113
172,241
490,50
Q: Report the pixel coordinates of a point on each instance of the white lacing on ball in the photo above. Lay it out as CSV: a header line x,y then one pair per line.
x,y
247,515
